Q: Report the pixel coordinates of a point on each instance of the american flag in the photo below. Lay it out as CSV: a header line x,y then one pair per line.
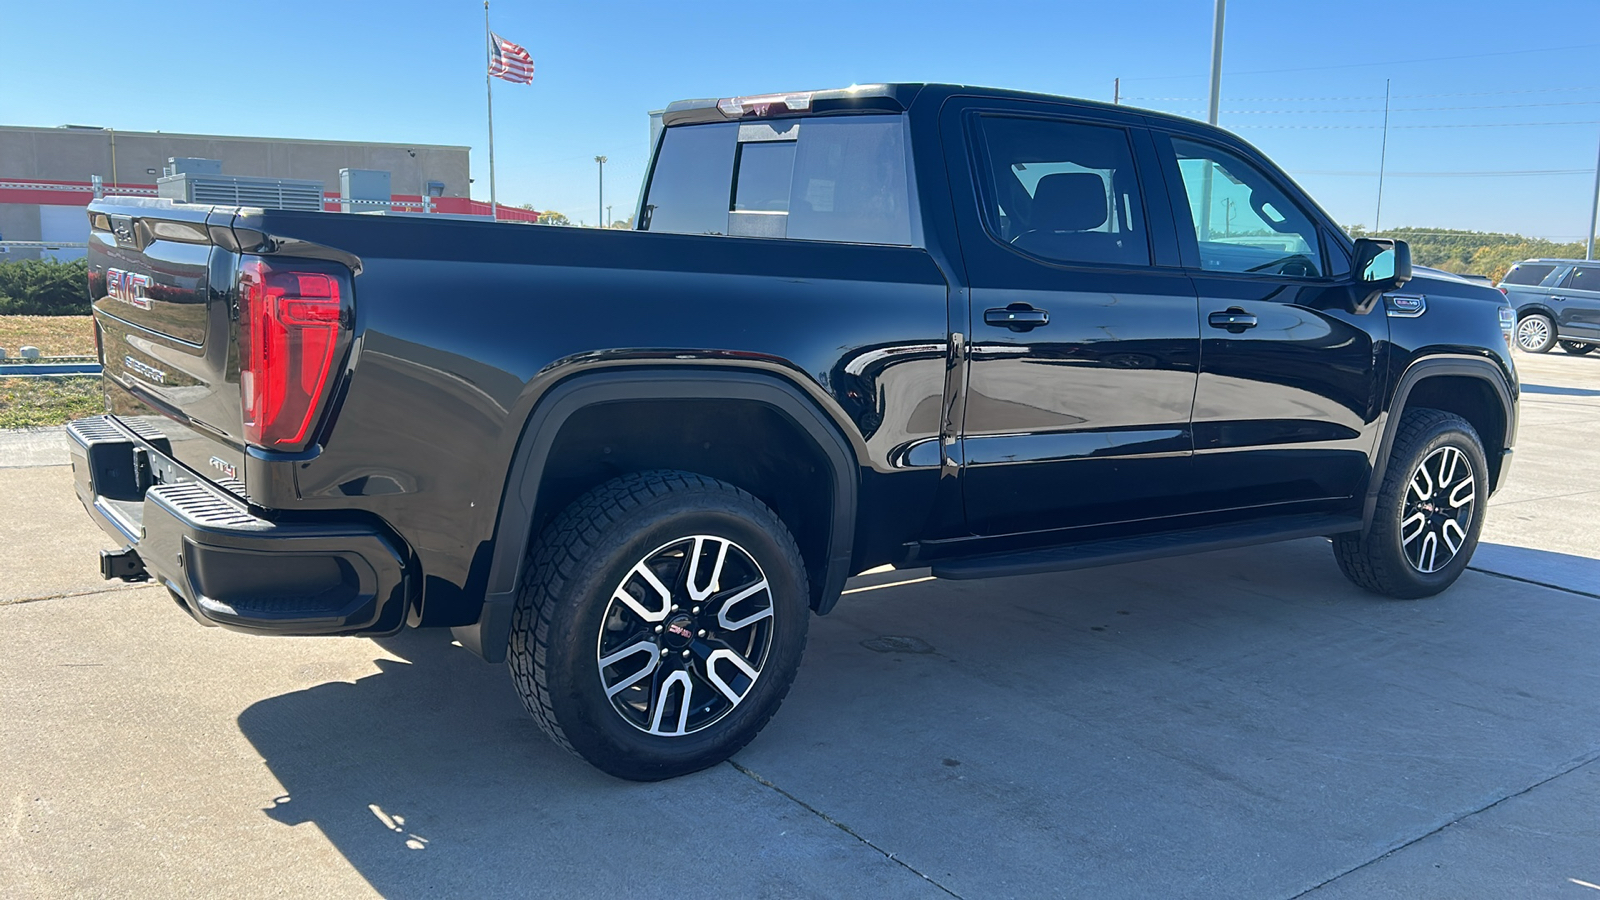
x,y
509,61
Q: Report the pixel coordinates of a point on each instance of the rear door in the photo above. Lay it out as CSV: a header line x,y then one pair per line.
x,y
1576,302
1082,360
1289,392
161,297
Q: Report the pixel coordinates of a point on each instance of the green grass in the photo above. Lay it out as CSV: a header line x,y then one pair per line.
x,y
37,402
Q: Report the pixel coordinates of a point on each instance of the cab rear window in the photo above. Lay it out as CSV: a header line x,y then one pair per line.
x,y
817,179
1528,273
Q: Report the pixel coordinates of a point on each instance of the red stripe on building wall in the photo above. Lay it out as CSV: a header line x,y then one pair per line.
x,y
80,193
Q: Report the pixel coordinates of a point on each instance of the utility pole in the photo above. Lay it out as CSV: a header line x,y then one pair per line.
x,y
1216,62
608,215
1116,91
1383,156
600,214
1589,254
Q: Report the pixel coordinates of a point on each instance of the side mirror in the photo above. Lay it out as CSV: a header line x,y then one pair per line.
x,y
1382,266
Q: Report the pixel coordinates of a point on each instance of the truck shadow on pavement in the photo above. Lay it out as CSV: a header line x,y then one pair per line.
x,y
1208,691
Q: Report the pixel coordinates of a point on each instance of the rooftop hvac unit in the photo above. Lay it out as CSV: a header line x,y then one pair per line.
x,y
242,190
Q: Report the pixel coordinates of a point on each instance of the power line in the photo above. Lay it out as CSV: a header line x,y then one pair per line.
x,y
1487,174
1393,127
1377,96
1398,109
1367,65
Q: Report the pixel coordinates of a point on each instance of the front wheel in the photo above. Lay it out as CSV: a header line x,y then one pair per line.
x,y
1576,348
1429,512
660,624
1536,333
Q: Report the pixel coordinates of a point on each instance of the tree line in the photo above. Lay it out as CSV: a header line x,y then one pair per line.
x,y
1472,252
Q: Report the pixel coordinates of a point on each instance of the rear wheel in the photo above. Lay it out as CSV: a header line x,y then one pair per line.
x,y
1536,333
1576,348
1429,511
660,624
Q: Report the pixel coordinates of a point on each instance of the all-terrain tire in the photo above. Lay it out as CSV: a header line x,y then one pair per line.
x,y
1380,559
569,605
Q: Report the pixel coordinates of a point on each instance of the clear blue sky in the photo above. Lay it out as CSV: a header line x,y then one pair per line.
x,y
412,71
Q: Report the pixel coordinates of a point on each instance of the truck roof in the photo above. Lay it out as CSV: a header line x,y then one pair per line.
x,y
892,98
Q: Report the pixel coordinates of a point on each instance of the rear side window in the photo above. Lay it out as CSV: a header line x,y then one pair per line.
x,y
1583,278
819,179
1528,273
851,182
1063,191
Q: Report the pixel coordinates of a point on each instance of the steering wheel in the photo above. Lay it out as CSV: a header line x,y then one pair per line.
x,y
1298,265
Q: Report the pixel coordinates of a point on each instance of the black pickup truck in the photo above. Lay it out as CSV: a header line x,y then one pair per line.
x,y
985,332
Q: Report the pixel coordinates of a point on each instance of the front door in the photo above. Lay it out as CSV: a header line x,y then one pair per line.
x,y
1290,390
1082,356
1577,303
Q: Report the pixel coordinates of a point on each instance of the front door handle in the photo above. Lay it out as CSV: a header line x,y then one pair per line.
x,y
1234,319
1017,317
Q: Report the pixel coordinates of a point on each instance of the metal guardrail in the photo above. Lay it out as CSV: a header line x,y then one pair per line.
x,y
73,188
45,245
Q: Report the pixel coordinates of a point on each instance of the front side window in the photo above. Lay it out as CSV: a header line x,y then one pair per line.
x,y
1063,191
819,179
1528,273
1242,222
1583,278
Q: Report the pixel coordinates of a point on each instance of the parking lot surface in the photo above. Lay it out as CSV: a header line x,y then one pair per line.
x,y
1237,724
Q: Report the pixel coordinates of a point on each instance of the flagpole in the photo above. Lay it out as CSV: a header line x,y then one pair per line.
x,y
488,89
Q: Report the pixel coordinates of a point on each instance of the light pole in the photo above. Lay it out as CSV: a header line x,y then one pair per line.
x,y
1211,116
600,214
1593,208
1216,62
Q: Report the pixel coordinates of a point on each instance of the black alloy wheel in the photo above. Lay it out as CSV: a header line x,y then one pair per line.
x,y
686,635
1441,501
1577,348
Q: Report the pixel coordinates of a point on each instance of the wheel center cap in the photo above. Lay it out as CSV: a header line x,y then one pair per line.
x,y
680,632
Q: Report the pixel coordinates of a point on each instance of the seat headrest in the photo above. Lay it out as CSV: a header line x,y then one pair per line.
x,y
1069,201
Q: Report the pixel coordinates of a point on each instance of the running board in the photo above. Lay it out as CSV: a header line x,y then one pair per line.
x,y
1149,546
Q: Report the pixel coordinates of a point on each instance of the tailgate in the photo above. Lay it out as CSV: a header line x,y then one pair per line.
x,y
162,294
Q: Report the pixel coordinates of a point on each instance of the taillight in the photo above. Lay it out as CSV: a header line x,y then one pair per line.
x,y
290,329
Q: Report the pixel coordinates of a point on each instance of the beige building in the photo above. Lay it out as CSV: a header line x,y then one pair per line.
x,y
46,173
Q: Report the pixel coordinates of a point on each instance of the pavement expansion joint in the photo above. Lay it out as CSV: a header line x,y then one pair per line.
x,y
1543,584
841,826
70,594
1574,766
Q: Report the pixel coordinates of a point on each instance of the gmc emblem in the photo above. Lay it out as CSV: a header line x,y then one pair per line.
x,y
128,287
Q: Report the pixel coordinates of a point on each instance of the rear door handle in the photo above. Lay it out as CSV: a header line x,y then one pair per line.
x,y
1235,320
1017,317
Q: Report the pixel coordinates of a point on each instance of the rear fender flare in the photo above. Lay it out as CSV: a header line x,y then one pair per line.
x,y
488,637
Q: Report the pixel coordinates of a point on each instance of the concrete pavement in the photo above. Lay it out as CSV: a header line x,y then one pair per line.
x,y
1237,724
